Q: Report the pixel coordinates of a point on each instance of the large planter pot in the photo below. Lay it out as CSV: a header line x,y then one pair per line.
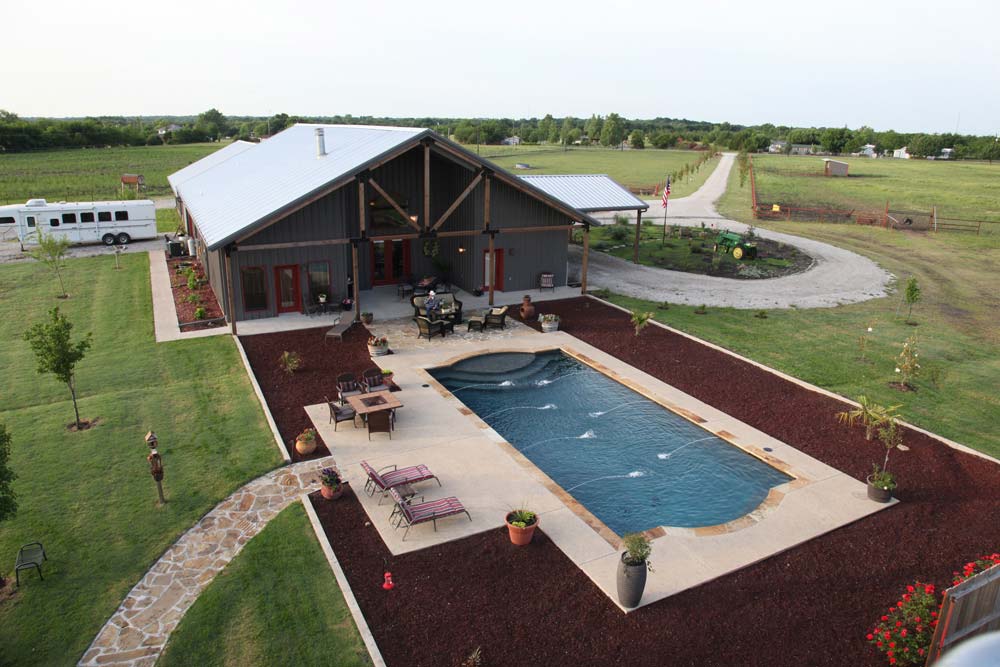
x,y
877,493
631,583
378,350
548,327
332,492
521,536
305,447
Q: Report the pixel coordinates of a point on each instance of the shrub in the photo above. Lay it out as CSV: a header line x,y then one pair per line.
x,y
619,233
522,518
972,568
200,313
289,361
696,249
192,282
906,363
701,310
194,297
640,320
637,550
911,296
663,306
761,314
904,632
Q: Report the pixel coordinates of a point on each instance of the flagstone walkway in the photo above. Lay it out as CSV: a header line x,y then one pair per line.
x,y
136,634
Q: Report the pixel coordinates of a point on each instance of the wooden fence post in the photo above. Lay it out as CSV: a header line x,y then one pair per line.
x,y
885,216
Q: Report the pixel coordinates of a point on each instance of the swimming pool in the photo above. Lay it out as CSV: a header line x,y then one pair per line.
x,y
631,462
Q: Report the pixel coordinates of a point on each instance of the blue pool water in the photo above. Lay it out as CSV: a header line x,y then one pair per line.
x,y
631,462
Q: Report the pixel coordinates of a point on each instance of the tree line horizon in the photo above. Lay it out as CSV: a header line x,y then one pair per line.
x,y
612,130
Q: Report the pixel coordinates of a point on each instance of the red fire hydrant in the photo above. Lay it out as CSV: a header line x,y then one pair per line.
x,y
387,584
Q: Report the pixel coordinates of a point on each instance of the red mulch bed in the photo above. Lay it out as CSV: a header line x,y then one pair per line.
x,y
185,309
322,362
810,605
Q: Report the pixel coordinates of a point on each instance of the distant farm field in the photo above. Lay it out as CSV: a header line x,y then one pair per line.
x,y
959,189
632,167
87,174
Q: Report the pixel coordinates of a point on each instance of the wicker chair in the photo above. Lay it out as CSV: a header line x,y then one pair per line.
x,y
341,413
373,380
379,422
347,386
496,317
428,328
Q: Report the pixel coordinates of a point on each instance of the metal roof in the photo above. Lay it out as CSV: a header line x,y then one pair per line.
x,y
253,185
195,168
587,192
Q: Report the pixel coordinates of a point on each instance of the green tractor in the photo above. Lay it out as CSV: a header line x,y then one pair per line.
x,y
730,242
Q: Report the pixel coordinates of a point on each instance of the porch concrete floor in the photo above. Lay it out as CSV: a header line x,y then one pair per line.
x,y
491,477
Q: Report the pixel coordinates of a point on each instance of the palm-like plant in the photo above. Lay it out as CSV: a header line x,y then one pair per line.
x,y
870,414
640,320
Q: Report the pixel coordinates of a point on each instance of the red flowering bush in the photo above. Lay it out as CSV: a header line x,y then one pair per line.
x,y
904,632
973,568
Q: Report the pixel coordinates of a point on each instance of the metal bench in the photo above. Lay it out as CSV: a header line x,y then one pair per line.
x,y
30,555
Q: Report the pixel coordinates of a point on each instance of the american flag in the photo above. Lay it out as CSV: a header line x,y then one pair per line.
x,y
666,192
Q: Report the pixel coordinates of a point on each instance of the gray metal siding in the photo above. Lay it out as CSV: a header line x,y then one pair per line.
x,y
213,268
331,217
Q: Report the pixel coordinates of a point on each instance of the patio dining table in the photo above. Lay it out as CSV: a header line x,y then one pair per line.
x,y
375,401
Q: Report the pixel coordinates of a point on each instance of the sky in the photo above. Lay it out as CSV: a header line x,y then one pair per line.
x,y
915,66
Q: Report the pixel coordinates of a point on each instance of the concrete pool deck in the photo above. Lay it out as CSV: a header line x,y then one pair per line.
x,y
491,477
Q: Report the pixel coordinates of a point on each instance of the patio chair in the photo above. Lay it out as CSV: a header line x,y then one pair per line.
x,y
373,380
428,328
383,479
496,317
340,413
347,386
546,281
379,422
412,513
28,556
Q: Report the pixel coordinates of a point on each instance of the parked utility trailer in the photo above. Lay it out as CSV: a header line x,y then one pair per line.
x,y
107,222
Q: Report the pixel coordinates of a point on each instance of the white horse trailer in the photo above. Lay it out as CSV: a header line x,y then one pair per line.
x,y
107,222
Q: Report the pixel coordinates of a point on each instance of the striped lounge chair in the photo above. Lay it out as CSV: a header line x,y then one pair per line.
x,y
413,513
382,481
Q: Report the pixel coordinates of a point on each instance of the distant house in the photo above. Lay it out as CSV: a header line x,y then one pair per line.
x,y
947,154
511,141
901,154
803,149
834,167
868,150
777,147
172,127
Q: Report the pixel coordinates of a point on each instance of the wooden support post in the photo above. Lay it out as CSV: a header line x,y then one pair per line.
x,y
362,201
586,256
230,276
486,202
493,268
426,222
357,282
638,231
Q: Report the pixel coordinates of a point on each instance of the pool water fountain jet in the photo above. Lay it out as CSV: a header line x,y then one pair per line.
x,y
505,383
633,474
601,413
542,383
667,455
583,436
547,406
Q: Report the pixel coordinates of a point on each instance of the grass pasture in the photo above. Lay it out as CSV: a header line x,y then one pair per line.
x,y
969,190
257,613
88,496
631,167
92,174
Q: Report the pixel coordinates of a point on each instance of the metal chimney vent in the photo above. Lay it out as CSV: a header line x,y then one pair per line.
x,y
320,142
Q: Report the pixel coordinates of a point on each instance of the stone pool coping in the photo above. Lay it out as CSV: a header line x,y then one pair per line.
x,y
491,477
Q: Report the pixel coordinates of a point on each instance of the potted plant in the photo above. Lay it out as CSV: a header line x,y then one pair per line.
x,y
321,298
367,317
521,526
549,322
880,484
347,304
632,569
478,291
378,346
387,375
332,486
305,443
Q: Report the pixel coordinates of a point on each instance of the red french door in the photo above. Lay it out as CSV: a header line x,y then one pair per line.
x,y
288,296
498,269
390,261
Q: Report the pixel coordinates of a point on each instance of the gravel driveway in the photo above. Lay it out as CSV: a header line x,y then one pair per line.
x,y
836,277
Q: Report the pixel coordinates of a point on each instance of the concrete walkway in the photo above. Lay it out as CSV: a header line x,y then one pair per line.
x,y
137,633
165,326
836,277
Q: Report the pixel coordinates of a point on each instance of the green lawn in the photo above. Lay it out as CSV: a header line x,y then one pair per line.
x,y
277,603
88,174
957,326
88,496
632,167
167,220
959,189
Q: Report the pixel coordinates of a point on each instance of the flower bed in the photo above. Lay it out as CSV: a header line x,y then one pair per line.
x,y
198,307
810,605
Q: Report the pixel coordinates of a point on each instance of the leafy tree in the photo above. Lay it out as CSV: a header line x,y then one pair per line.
x,y
613,131
212,123
834,139
56,353
990,151
912,295
547,128
8,500
637,139
51,252
593,128
663,140
568,125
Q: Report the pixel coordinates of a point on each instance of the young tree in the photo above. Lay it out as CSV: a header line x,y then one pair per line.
x,y
56,353
8,500
912,295
637,139
51,252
